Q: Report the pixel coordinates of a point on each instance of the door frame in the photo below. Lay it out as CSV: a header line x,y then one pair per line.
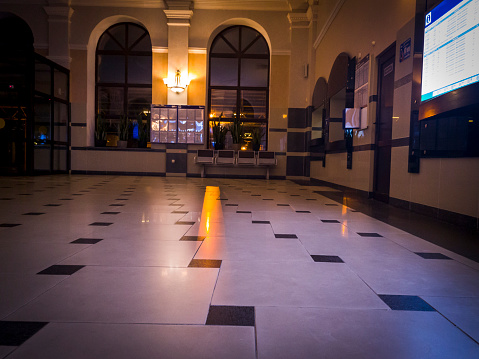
x,y
384,56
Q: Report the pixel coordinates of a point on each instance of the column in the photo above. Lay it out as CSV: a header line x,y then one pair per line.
x,y
59,33
178,15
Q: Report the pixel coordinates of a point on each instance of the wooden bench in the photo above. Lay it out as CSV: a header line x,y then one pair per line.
x,y
229,158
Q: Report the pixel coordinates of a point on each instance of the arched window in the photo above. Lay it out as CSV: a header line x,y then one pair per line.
x,y
123,73
239,64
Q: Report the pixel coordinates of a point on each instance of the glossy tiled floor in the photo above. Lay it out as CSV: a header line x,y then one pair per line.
x,y
142,267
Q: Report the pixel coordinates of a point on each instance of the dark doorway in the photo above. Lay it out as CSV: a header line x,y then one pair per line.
x,y
34,105
382,168
16,77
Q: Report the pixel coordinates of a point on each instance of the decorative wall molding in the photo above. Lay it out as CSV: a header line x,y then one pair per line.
x,y
178,14
159,50
281,52
197,50
328,23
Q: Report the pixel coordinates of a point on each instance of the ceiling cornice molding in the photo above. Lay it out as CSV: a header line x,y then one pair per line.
x,y
150,4
264,5
59,11
178,14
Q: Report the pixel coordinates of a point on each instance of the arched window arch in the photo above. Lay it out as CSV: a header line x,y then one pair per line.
x,y
239,66
123,76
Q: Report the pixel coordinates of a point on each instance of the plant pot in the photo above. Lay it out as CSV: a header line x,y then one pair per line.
x,y
122,144
236,146
100,143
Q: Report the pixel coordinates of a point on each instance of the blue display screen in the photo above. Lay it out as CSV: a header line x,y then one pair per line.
x,y
451,45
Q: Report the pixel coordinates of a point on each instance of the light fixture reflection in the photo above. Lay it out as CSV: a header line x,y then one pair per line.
x,y
211,210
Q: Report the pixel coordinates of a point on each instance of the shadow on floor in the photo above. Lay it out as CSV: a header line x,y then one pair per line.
x,y
460,240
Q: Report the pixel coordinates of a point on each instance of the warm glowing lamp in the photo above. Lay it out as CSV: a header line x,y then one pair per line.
x,y
176,84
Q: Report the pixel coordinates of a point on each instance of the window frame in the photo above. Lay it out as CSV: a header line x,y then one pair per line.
x,y
239,54
126,52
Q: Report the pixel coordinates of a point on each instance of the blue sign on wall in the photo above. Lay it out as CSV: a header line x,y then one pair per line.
x,y
405,50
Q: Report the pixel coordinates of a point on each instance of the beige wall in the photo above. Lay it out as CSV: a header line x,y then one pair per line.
x,y
85,19
358,23
197,88
160,71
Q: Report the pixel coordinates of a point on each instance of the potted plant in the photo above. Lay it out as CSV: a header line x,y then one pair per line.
x,y
100,131
143,130
237,133
219,135
123,128
257,136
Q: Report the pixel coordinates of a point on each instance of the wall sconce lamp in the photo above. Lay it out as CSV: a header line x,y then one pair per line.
x,y
176,84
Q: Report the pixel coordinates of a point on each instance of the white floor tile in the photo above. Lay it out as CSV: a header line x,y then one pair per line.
x,y
126,295
338,333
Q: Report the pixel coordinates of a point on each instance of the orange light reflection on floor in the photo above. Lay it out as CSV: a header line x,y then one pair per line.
x,y
211,210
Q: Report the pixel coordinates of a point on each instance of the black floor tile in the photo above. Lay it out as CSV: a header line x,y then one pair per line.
x,y
243,212
192,238
33,214
222,199
52,205
116,205
25,194
6,199
231,205
101,224
87,240
205,263
406,302
285,235
303,212
268,199
255,195
283,205
261,222
331,204
185,223
326,259
16,333
121,199
364,234
231,315
311,199
61,269
295,195
110,212
77,194
177,204
9,224
330,221
432,255
180,212
174,199
66,199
